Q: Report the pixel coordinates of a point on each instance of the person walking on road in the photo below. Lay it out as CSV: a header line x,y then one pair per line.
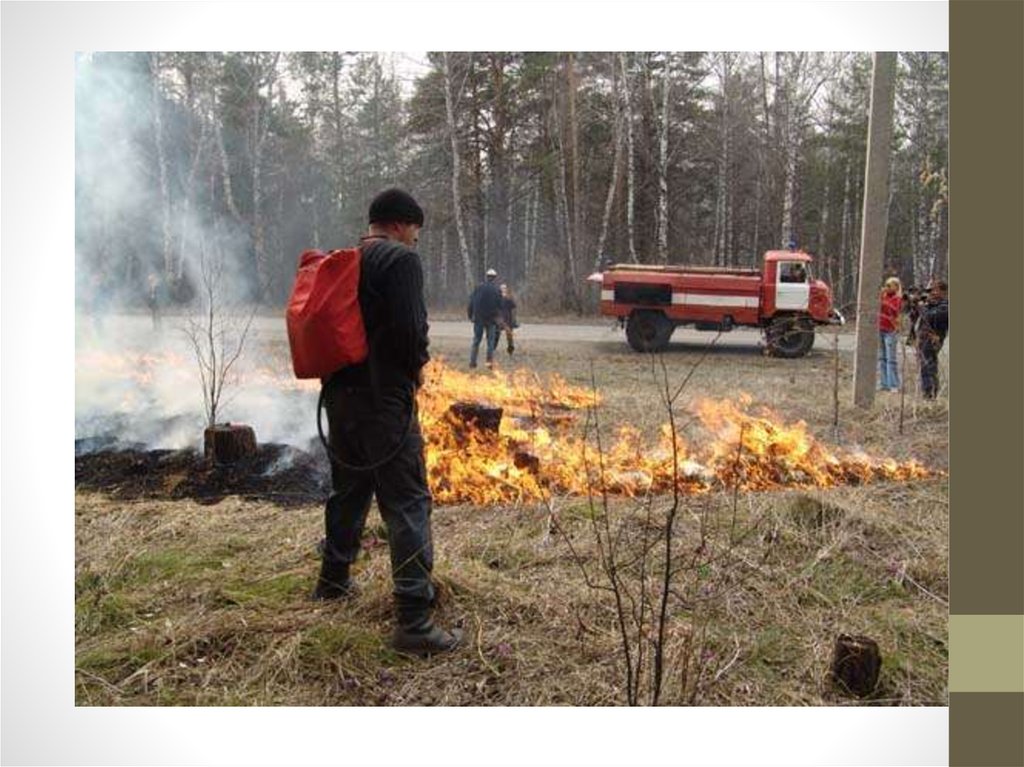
x,y
484,310
508,318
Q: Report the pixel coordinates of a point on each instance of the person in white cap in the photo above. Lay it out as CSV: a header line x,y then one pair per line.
x,y
484,310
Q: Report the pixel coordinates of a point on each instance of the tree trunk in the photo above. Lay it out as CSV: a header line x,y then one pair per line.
x,y
165,192
225,169
531,237
199,150
338,189
791,148
941,264
823,218
875,220
842,288
260,128
630,194
721,255
571,86
456,169
663,166
616,162
561,194
443,265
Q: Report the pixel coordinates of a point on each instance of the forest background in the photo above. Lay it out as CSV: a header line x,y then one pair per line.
x,y
540,165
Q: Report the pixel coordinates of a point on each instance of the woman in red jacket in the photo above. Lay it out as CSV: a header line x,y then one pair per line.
x,y
889,333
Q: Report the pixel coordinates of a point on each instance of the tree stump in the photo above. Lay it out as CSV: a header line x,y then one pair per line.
x,y
228,442
477,416
856,662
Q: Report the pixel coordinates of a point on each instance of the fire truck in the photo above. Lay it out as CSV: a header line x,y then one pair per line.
x,y
782,299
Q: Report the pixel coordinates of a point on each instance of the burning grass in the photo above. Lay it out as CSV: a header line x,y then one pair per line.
x,y
183,603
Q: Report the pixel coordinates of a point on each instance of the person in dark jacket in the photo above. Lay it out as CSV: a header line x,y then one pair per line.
x,y
932,329
508,322
374,432
484,311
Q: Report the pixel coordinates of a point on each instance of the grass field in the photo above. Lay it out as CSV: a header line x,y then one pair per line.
x,y
184,603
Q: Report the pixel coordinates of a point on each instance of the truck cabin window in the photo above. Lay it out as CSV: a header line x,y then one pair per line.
x,y
792,271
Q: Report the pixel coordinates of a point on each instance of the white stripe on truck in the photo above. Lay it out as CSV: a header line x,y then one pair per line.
x,y
701,299
709,299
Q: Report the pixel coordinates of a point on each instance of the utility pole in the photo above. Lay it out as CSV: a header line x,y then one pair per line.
x,y
875,221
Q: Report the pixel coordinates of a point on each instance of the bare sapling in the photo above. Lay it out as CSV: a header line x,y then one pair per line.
x,y
903,384
217,330
662,588
835,387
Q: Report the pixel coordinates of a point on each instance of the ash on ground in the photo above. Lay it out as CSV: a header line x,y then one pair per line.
x,y
280,474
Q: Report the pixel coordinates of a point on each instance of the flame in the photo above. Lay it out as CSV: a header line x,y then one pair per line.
x,y
748,449
547,441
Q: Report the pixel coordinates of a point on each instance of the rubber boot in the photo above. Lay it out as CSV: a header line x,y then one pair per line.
x,y
417,634
334,582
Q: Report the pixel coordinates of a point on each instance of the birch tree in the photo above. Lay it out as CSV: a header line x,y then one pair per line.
x,y
666,85
165,192
262,70
617,121
630,157
449,103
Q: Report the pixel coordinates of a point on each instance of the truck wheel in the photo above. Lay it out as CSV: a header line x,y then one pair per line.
x,y
789,337
648,331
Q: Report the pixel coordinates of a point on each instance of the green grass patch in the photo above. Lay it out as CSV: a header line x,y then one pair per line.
x,y
355,645
115,662
96,613
840,578
275,591
169,564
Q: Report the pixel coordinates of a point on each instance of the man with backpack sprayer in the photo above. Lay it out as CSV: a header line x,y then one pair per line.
x,y
375,442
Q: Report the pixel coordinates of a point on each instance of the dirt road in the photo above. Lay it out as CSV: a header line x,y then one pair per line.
x,y
608,335
605,336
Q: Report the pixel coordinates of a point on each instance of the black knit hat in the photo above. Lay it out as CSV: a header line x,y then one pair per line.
x,y
395,206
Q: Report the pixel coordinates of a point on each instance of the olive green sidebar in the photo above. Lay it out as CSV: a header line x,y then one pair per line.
x,y
986,177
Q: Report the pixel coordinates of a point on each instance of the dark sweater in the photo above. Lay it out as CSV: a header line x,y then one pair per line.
x,y
394,314
485,303
508,312
935,320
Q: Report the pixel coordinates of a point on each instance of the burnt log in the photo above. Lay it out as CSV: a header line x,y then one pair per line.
x,y
524,459
477,416
228,443
856,663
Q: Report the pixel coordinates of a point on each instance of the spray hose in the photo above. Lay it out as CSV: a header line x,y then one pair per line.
x,y
333,455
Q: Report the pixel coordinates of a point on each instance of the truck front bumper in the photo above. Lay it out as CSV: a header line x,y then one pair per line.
x,y
835,317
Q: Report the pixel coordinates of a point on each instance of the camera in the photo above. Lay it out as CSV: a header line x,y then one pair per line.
x,y
915,294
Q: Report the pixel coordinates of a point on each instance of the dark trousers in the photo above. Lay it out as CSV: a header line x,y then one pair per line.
x,y
363,430
928,356
479,328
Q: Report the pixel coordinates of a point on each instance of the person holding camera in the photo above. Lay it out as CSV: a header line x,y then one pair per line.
x,y
888,329
932,328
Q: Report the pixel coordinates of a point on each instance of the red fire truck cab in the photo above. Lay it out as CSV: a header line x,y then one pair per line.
x,y
782,299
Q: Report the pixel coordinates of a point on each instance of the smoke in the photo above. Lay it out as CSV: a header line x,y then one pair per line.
x,y
148,230
139,386
149,186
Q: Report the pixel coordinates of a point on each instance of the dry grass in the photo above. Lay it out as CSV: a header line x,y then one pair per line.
x,y
186,604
